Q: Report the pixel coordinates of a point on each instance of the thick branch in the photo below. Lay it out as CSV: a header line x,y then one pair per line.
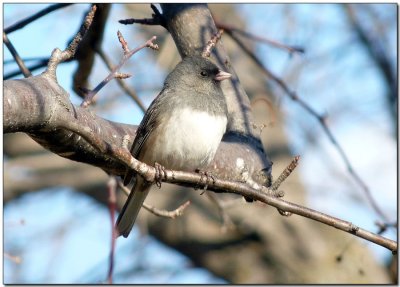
x,y
123,156
72,118
39,107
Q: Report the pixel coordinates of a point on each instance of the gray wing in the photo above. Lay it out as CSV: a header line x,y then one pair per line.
x,y
147,125
140,189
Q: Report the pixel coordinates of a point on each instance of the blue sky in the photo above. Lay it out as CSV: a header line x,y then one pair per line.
x,y
345,85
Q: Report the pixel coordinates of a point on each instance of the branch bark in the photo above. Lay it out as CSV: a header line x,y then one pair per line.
x,y
40,107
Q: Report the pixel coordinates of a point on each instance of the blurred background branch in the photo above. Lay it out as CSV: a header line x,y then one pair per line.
x,y
336,77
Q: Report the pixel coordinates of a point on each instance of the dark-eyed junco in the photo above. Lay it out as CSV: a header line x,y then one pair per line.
x,y
181,129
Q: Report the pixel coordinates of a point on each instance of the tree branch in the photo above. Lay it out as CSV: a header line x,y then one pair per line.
x,y
114,72
261,194
159,212
16,56
122,83
231,29
40,107
321,120
219,185
60,56
90,44
23,23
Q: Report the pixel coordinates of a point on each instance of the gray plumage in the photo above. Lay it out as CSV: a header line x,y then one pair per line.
x,y
181,129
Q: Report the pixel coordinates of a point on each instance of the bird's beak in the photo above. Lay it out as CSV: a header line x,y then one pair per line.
x,y
222,76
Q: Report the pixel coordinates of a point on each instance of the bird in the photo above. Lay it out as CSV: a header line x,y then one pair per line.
x,y
181,129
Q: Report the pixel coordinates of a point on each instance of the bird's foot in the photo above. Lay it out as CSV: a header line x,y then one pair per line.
x,y
160,174
208,177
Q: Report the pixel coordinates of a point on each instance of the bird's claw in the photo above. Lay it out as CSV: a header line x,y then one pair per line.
x,y
160,174
208,177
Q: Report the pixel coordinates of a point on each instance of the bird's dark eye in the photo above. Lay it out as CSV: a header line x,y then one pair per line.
x,y
204,73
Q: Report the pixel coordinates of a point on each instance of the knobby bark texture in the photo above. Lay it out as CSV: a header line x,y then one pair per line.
x,y
264,247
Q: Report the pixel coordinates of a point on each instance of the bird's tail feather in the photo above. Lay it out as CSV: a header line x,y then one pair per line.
x,y
132,206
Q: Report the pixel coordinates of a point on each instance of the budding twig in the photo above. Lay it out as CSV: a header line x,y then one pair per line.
x,y
211,43
285,173
115,71
59,56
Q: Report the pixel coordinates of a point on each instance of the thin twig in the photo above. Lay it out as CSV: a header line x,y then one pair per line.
x,y
321,120
291,49
122,76
33,59
17,58
34,17
376,53
383,226
144,21
112,203
211,43
165,213
219,185
124,44
58,56
282,177
33,67
127,54
285,173
157,19
227,223
159,212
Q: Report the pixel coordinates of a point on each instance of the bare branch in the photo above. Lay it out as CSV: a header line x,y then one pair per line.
x,y
383,226
145,21
86,51
377,54
157,19
121,83
287,171
219,185
57,56
124,44
17,58
231,29
122,76
321,120
211,43
34,17
112,203
40,64
127,54
159,212
227,223
165,213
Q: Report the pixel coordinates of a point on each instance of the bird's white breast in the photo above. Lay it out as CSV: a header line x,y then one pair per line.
x,y
188,139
